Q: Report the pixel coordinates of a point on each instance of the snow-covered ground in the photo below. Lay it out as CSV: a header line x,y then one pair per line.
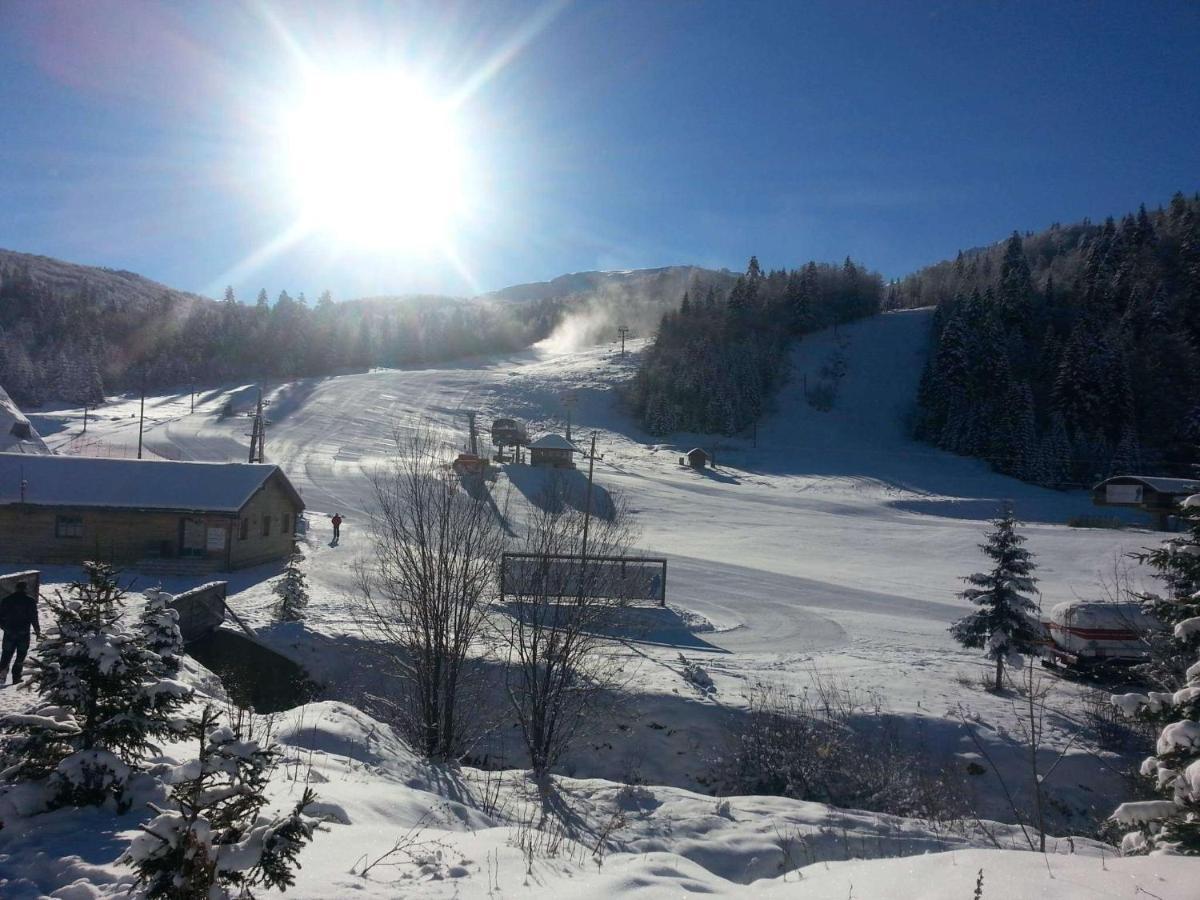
x,y
394,826
830,544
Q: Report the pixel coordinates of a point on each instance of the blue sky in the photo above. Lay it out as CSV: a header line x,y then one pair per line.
x,y
595,135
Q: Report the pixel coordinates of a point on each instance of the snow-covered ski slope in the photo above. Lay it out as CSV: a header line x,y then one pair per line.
x,y
837,532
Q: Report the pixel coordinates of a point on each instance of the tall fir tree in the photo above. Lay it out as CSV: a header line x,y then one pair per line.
x,y
1005,624
1014,297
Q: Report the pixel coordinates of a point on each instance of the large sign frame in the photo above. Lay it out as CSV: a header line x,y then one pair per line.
x,y
568,575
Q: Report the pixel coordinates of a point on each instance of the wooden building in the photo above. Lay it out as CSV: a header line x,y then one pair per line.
x,y
696,458
153,515
552,450
1158,496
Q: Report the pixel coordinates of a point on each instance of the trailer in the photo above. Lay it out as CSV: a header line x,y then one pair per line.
x,y
1083,633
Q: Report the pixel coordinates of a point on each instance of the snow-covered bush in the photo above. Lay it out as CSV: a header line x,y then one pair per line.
x,y
292,591
833,744
695,674
1005,625
104,699
212,842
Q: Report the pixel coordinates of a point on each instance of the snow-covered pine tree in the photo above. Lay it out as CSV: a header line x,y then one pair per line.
x,y
103,700
1004,625
159,626
1177,565
1172,825
212,842
292,591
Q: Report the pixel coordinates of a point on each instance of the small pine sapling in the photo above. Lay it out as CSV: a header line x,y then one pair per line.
x,y
103,699
159,626
1004,626
292,591
212,843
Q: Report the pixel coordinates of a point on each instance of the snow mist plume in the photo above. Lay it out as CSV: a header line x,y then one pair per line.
x,y
636,300
586,327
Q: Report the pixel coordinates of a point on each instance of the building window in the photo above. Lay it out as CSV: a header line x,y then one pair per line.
x,y
266,525
68,527
245,532
285,522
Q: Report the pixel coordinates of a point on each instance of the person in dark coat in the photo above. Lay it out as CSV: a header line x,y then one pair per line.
x,y
337,527
18,614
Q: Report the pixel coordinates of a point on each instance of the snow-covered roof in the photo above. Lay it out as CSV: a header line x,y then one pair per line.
x,y
1102,614
17,435
696,450
133,483
1162,485
553,442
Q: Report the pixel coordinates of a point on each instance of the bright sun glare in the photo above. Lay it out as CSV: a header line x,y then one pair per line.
x,y
375,160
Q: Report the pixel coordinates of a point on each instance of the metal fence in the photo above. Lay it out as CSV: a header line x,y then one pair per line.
x,y
631,578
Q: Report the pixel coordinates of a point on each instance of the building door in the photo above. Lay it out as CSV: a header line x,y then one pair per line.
x,y
191,537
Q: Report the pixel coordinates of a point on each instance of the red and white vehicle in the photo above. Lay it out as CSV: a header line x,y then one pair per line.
x,y
1085,632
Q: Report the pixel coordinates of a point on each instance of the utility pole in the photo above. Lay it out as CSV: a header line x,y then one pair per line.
x,y
623,331
587,510
142,415
85,414
193,395
474,448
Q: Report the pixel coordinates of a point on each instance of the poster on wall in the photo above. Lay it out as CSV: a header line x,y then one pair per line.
x,y
216,539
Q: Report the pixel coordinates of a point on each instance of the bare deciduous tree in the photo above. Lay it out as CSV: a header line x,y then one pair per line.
x,y
424,592
566,608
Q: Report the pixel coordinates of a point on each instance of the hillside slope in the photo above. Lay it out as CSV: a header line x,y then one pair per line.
x,y
836,545
76,333
1070,355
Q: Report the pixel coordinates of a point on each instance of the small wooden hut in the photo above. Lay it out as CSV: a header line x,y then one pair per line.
x,y
553,450
1158,496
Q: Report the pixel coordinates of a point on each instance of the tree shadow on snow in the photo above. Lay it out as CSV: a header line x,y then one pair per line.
x,y
656,626
478,489
543,486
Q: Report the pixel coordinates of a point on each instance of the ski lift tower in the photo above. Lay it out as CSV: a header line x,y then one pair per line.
x,y
258,432
569,400
470,462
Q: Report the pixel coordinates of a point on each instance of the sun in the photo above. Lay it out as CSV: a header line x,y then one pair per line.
x,y
374,160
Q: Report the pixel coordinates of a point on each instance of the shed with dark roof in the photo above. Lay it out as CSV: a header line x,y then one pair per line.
x,y
1156,495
